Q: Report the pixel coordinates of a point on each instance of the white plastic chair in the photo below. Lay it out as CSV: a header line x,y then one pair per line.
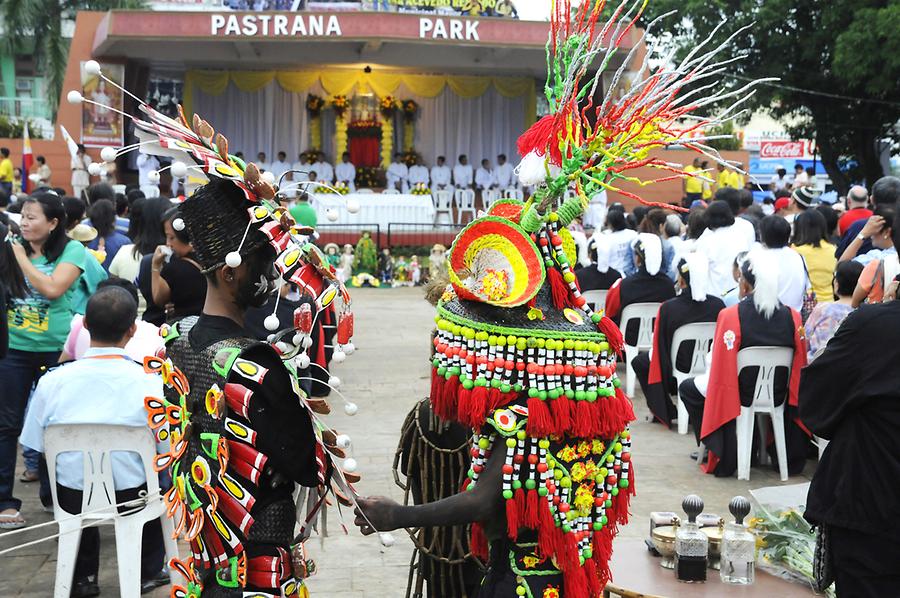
x,y
702,334
646,313
364,190
443,204
97,442
767,359
596,299
465,202
488,197
513,193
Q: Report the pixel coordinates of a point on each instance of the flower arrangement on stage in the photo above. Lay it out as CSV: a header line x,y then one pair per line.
x,y
309,156
410,110
314,105
388,105
364,128
410,158
340,104
368,177
420,189
341,187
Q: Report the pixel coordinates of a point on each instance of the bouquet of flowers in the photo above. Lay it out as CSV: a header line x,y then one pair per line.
x,y
368,177
410,158
314,105
340,104
309,156
420,189
388,106
342,188
410,110
364,128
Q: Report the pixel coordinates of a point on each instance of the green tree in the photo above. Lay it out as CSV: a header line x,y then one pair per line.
x,y
41,21
838,63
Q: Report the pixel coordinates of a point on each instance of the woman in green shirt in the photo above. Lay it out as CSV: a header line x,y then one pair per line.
x,y
38,325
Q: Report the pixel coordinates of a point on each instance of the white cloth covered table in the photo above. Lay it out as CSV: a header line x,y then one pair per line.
x,y
375,208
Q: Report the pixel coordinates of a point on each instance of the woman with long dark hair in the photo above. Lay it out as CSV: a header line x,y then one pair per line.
x,y
109,241
150,236
810,240
12,284
38,325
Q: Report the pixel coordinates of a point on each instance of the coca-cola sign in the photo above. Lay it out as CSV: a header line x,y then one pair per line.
x,y
782,149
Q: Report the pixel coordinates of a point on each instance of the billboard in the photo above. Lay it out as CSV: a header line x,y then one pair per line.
x,y
101,126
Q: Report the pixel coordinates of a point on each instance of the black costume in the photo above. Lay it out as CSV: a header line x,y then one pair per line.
x,y
592,279
850,395
673,314
641,287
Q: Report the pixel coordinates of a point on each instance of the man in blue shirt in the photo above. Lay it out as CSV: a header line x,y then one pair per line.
x,y
104,387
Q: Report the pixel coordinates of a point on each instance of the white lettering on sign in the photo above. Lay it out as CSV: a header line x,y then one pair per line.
x,y
448,29
250,25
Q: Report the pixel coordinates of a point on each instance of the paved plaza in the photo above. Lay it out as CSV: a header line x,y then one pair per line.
x,y
385,377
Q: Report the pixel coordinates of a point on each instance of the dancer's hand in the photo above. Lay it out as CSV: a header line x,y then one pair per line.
x,y
380,514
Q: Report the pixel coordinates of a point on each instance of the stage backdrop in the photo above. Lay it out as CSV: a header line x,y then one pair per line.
x,y
265,110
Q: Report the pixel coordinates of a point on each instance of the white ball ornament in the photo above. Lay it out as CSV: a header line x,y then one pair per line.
x,y
349,465
332,214
271,323
178,224
268,177
352,206
282,346
233,259
338,357
92,67
153,176
108,154
307,342
342,441
94,169
298,339
74,97
334,382
271,338
349,348
351,408
179,169
302,361
386,539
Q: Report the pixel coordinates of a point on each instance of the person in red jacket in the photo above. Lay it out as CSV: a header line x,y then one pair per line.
x,y
857,208
714,402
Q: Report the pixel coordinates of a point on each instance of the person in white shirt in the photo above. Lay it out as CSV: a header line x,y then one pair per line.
x,y
261,162
775,234
484,176
463,173
720,243
418,173
504,176
147,164
800,179
440,175
779,180
324,169
279,166
345,172
398,175
619,238
105,387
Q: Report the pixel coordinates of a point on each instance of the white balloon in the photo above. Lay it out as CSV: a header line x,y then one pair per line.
x,y
338,357
298,339
92,67
283,347
270,338
94,169
332,214
387,540
153,176
178,224
34,177
352,205
334,381
179,169
351,408
349,348
302,361
343,441
108,154
349,465
268,177
74,97
233,259
271,323
307,342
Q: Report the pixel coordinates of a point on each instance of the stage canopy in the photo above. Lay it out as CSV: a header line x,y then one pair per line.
x,y
266,110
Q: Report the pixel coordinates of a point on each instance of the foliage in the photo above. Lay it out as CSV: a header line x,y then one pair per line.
x,y
410,110
13,129
730,144
314,105
823,52
340,104
42,20
364,128
368,177
388,106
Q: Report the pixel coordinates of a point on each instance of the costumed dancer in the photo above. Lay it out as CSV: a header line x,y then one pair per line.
x,y
241,431
713,402
692,304
522,359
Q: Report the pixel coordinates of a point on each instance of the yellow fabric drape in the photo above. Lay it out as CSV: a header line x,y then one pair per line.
x,y
343,82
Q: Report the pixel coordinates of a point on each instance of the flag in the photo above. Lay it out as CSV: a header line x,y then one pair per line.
x,y
70,143
27,159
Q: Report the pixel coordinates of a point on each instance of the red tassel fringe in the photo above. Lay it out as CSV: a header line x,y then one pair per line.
x,y
519,497
558,288
477,408
546,530
495,399
512,520
532,518
584,423
540,138
478,544
613,334
590,575
539,422
561,408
